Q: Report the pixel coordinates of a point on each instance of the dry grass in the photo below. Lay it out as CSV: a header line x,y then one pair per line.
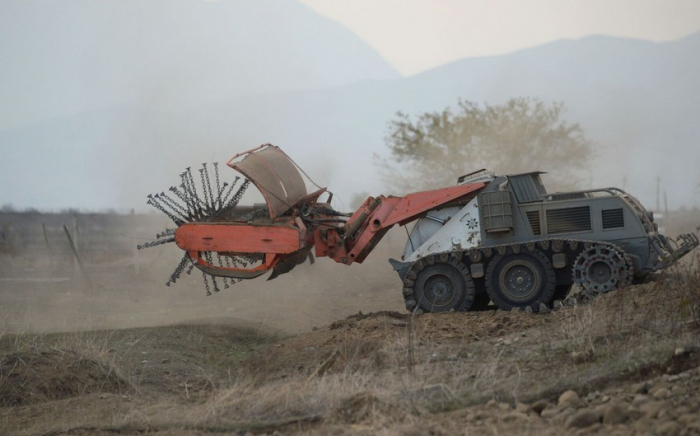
x,y
39,368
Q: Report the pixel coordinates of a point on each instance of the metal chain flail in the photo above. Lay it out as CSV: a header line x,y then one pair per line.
x,y
178,270
155,243
187,205
208,186
153,202
218,186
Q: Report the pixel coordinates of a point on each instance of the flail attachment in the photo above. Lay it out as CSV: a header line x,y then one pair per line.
x,y
206,201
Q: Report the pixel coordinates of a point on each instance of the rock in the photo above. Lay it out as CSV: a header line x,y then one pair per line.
x,y
541,405
681,410
642,388
514,416
634,414
550,412
652,408
516,309
661,393
687,418
615,414
569,399
679,390
605,398
570,301
592,396
536,419
668,428
481,415
522,408
557,305
594,429
640,399
564,414
543,308
528,309
680,351
582,419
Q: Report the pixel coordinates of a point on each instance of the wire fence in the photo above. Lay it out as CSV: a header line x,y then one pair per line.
x,y
97,236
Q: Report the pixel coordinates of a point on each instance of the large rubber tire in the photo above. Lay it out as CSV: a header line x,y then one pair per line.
x,y
443,287
520,280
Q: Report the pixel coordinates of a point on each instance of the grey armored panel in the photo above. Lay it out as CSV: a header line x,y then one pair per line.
x,y
527,187
528,213
496,208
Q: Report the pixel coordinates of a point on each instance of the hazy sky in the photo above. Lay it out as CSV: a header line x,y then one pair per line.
x,y
415,35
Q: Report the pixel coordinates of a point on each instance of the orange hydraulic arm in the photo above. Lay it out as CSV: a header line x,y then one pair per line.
x,y
296,222
361,233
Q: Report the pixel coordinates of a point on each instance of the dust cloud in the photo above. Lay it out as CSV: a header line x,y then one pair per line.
x,y
42,291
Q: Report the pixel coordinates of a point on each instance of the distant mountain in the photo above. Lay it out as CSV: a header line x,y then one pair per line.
x,y
639,101
63,57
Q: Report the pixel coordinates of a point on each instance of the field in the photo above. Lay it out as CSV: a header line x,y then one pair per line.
x,y
326,349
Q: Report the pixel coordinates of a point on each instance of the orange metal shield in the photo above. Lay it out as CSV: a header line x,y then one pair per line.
x,y
239,238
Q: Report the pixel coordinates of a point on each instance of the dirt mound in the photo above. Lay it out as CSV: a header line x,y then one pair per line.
x,y
39,376
355,341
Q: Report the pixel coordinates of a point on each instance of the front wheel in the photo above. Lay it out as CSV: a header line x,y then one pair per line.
x,y
442,287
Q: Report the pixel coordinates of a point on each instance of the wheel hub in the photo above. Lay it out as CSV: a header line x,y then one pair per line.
x,y
600,269
519,281
600,272
439,290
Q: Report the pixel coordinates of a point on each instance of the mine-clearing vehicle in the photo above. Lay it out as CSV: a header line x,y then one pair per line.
x,y
490,238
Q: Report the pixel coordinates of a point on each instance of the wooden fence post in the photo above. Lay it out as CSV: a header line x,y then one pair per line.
x,y
48,247
137,266
74,243
77,256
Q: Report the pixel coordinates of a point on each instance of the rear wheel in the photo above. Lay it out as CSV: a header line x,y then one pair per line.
x,y
520,280
601,269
